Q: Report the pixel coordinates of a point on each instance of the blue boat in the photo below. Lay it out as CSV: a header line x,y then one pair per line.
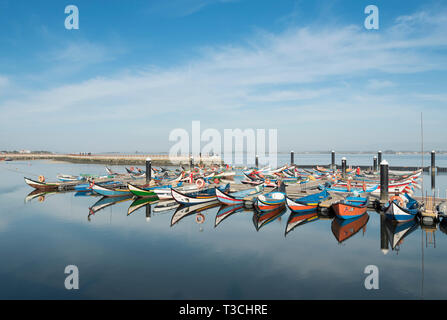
x,y
400,210
308,203
201,196
238,197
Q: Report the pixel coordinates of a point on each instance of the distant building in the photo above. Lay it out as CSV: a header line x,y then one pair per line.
x,y
25,151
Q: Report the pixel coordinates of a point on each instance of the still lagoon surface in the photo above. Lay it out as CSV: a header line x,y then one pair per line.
x,y
141,255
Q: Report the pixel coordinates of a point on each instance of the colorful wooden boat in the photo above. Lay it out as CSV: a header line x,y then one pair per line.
x,y
343,229
166,194
88,186
351,207
68,178
238,197
42,185
143,191
226,211
202,196
346,189
272,198
111,192
400,209
307,203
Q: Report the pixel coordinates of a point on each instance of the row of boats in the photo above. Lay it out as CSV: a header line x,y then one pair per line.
x,y
266,188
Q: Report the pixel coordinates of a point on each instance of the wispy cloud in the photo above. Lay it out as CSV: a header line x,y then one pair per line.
x,y
181,8
376,84
303,69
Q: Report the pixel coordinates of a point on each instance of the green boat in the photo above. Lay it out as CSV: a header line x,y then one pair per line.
x,y
142,192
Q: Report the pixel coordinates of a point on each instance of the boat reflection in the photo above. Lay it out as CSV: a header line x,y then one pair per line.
x,y
298,219
139,203
343,229
105,202
166,205
396,232
261,218
443,225
184,211
39,195
226,211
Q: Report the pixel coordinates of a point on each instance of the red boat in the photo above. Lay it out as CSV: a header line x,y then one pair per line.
x,y
351,207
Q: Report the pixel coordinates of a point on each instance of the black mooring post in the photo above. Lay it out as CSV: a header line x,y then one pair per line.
x,y
384,181
375,164
433,164
333,160
292,158
383,235
148,170
433,180
379,157
148,212
257,162
343,167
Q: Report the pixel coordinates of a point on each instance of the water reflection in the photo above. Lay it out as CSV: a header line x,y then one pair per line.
x,y
298,219
343,229
139,203
105,202
262,218
396,232
226,211
184,211
39,195
392,234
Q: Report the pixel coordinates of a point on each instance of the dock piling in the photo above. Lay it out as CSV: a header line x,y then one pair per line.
x,y
384,181
148,170
375,164
148,212
343,167
383,235
292,158
433,165
379,157
333,160
257,161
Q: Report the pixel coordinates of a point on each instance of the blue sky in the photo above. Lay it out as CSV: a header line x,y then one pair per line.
x,y
136,70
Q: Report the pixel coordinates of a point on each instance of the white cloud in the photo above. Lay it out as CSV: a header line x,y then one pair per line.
x,y
318,66
379,84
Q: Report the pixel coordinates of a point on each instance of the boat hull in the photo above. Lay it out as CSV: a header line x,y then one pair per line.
x,y
397,213
41,185
349,211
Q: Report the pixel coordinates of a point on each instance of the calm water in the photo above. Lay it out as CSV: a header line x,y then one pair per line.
x,y
122,256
